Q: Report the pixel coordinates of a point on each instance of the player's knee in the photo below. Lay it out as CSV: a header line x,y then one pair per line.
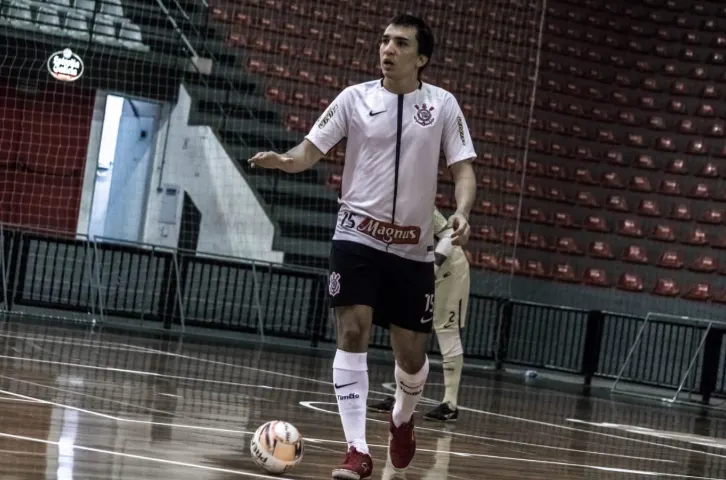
x,y
353,326
450,343
411,364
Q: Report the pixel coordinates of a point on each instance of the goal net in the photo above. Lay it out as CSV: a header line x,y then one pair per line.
x,y
131,122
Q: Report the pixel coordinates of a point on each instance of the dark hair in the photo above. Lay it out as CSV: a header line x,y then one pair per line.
x,y
424,35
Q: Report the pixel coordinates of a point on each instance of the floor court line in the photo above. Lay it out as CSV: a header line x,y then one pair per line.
x,y
312,440
328,383
144,457
310,404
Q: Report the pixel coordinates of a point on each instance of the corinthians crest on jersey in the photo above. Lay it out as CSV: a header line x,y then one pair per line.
x,y
423,115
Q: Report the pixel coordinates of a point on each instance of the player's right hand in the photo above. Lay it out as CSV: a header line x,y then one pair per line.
x,y
268,160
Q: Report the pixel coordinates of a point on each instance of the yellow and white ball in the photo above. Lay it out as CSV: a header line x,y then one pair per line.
x,y
277,447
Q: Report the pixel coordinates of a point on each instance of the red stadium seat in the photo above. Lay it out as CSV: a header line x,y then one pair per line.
x,y
649,208
677,166
666,287
596,277
705,264
697,147
537,241
509,265
669,187
700,190
712,216
681,211
564,219
596,224
535,214
700,292
583,175
486,233
612,180
663,233
600,249
670,259
645,162
630,282
630,228
717,129
617,203
634,254
510,236
657,123
640,184
488,261
587,199
696,236
564,272
534,268
615,157
568,245
686,126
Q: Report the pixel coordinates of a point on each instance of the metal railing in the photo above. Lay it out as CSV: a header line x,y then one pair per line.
x,y
136,284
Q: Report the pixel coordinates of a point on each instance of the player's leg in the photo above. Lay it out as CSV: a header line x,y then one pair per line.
x,y
352,290
410,302
452,299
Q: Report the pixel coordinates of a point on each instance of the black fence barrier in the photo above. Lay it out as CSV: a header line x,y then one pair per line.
x,y
143,282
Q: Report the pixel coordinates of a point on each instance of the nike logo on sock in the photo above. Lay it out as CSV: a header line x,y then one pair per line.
x,y
374,114
343,386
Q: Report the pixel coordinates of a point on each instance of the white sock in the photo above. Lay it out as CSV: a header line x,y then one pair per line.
x,y
409,389
452,378
350,379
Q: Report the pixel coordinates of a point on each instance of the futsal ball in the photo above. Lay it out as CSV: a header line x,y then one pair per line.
x,y
277,447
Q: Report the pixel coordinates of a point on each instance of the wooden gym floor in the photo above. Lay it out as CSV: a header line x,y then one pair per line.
x,y
91,403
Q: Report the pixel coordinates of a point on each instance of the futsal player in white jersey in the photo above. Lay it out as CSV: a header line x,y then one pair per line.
x,y
450,308
382,253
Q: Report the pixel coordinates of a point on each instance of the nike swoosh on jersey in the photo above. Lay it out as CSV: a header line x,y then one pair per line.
x,y
376,113
426,320
343,386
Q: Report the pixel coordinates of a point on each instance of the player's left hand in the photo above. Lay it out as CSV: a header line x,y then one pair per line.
x,y
460,224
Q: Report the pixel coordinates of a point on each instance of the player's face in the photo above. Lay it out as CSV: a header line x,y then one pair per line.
x,y
399,52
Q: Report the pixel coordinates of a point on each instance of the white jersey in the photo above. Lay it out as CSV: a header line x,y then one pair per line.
x,y
391,162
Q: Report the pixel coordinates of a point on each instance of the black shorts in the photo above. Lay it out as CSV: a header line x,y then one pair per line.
x,y
400,291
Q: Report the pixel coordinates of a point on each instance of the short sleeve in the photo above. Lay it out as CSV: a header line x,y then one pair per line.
x,y
332,126
457,139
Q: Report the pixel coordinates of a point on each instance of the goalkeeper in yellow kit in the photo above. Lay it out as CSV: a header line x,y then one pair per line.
x,y
451,300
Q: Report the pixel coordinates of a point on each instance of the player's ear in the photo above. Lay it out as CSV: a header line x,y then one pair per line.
x,y
422,60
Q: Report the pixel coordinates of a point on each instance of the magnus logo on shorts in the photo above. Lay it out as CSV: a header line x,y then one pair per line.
x,y
334,284
350,396
389,233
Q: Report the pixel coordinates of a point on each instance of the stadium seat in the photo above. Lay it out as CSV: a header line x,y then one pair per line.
x,y
596,277
666,287
600,249
104,30
697,236
511,236
670,259
699,291
486,233
130,36
583,175
657,122
612,180
595,223
669,187
535,215
509,265
587,199
568,246
564,220
19,15
680,211
112,8
536,241
700,190
663,233
488,261
645,162
649,208
640,184
564,272
705,264
634,254
717,129
48,20
615,157
617,203
712,216
677,166
709,170
534,268
630,228
630,282
686,127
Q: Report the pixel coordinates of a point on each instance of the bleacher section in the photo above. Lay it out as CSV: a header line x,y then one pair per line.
x,y
624,171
